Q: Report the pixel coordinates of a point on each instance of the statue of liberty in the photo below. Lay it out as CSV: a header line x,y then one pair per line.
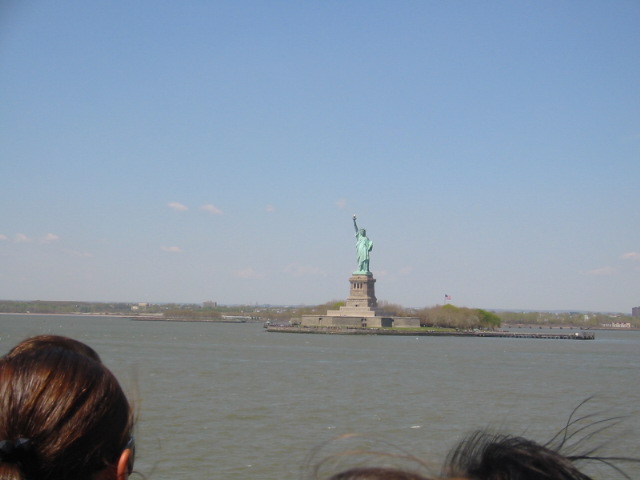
x,y
363,247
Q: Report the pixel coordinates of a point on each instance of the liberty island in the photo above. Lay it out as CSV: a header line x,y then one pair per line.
x,y
361,315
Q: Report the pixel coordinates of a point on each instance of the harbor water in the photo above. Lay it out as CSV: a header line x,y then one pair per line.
x,y
231,401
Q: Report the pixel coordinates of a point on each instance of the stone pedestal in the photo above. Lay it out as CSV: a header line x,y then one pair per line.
x,y
362,301
360,311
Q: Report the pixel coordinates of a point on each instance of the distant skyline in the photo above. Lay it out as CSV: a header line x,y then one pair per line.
x,y
191,151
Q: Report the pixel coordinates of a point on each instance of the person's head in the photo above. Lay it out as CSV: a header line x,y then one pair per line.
x,y
491,456
63,414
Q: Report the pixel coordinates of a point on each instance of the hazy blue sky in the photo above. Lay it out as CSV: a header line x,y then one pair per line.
x,y
184,151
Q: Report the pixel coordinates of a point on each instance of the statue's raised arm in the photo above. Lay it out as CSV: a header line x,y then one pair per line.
x,y
355,225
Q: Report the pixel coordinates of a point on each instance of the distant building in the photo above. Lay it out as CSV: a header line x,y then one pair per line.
x,y
635,312
209,304
617,325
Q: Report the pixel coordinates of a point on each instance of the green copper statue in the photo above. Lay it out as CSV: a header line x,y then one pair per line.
x,y
363,247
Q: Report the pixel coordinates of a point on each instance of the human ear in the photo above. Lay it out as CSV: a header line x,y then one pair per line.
x,y
122,472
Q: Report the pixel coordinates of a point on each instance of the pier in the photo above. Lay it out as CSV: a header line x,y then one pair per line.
x,y
561,336
585,335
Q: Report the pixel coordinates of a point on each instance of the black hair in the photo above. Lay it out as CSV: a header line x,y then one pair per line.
x,y
493,456
486,455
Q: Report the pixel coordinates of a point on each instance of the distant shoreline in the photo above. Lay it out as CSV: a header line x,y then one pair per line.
x,y
72,314
189,319
159,318
137,318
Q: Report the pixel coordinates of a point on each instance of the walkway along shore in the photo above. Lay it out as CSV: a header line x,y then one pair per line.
x,y
427,333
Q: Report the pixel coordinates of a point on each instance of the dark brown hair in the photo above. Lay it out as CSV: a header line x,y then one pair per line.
x,y
55,342
56,394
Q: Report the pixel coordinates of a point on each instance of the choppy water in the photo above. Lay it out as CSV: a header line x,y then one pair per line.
x,y
235,402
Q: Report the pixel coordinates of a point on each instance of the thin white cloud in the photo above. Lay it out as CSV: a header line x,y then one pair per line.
x,y
247,273
270,208
81,254
341,203
601,272
3,237
631,256
406,270
177,206
22,238
212,209
172,249
297,270
50,237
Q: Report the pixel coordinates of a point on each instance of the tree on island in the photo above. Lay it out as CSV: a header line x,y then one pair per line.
x,y
450,316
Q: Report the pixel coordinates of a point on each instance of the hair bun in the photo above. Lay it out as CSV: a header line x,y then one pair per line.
x,y
15,451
